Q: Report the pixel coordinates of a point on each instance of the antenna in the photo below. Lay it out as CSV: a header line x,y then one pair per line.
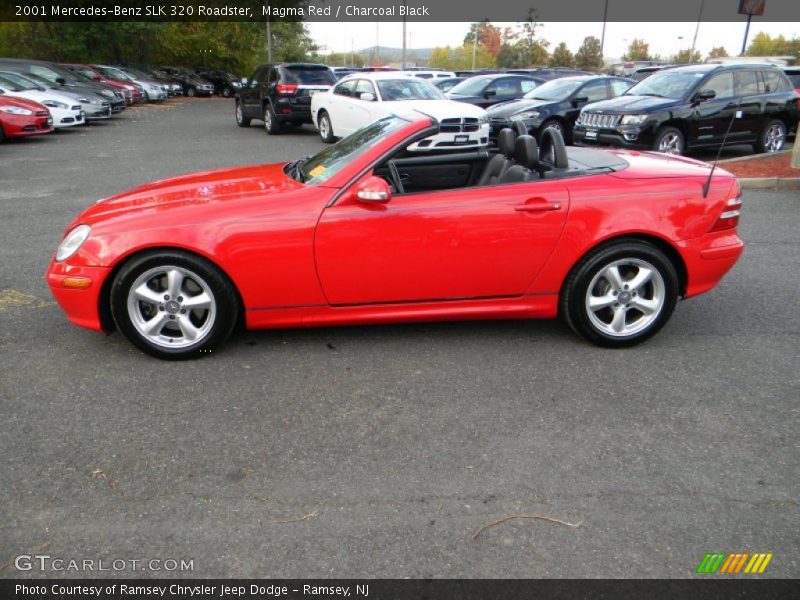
x,y
721,146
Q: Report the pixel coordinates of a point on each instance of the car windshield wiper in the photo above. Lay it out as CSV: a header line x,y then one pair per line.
x,y
650,94
294,171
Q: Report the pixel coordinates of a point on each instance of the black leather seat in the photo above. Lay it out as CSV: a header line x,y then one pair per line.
x,y
526,153
501,162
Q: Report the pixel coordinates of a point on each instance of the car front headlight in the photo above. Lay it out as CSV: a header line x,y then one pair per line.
x,y
107,93
633,119
16,110
72,242
55,104
525,116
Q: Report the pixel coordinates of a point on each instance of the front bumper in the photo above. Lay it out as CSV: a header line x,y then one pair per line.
x,y
632,137
93,112
81,304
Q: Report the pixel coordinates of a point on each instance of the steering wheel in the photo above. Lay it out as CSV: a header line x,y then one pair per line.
x,y
398,184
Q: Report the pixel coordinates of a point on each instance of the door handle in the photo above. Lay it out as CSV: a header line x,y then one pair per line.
x,y
537,205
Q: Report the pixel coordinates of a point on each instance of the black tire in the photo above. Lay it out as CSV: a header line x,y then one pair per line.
x,y
213,325
670,140
191,92
271,123
241,120
767,142
660,291
2,134
559,126
325,129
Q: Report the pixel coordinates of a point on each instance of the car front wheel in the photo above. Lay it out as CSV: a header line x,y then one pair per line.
x,y
325,128
772,137
241,120
620,294
191,92
669,141
226,92
173,305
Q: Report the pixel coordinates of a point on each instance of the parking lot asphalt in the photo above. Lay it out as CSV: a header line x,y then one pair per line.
x,y
379,451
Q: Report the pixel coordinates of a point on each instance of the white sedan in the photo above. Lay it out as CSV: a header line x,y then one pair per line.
x,y
66,111
361,98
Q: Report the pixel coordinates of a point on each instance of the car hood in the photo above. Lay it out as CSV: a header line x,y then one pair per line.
x,y
512,107
438,109
6,100
630,104
196,190
41,96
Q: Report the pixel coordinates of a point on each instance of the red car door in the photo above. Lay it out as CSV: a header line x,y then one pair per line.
x,y
479,242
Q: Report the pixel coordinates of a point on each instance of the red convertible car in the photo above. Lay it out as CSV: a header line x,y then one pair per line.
x,y
367,231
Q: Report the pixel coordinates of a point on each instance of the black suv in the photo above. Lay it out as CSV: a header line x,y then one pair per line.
x,y
682,108
281,94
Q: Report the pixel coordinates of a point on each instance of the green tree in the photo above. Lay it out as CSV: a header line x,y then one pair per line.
x,y
637,50
562,57
589,56
489,36
685,56
460,58
718,52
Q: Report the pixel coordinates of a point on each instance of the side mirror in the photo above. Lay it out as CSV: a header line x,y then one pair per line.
x,y
580,100
705,95
373,189
489,93
367,97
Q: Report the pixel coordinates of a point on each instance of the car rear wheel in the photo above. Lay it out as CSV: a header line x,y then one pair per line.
x,y
191,92
271,122
620,294
325,128
772,137
241,120
173,305
226,92
669,140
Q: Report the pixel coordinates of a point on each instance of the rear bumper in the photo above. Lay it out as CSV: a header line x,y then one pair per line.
x,y
80,305
709,258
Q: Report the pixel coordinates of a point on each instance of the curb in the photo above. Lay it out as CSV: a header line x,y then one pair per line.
x,y
754,156
770,183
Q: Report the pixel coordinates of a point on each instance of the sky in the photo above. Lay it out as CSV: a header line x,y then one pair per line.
x,y
664,38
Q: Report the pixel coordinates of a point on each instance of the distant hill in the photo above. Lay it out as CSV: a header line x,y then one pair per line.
x,y
388,54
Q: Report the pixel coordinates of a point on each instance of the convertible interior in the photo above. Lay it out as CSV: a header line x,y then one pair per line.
x,y
519,158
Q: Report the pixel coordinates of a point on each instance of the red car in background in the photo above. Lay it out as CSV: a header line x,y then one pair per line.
x,y
23,118
133,93
369,231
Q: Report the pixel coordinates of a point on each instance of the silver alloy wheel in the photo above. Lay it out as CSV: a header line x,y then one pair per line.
x,y
267,118
239,115
625,297
774,137
171,307
670,144
324,128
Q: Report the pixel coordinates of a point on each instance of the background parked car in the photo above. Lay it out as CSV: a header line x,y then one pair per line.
x,y
486,90
192,84
65,111
94,107
225,83
431,75
56,77
362,98
448,83
556,103
137,92
548,73
793,73
87,71
281,94
692,107
23,118
154,91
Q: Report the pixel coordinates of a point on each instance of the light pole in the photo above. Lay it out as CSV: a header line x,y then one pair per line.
x,y
404,38
696,31
603,36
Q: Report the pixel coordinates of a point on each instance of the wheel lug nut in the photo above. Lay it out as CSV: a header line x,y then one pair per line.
x,y
166,296
172,317
180,298
626,286
616,304
183,311
616,292
160,308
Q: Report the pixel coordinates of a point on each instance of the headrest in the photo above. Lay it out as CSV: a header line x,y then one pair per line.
x,y
505,141
520,128
526,152
553,148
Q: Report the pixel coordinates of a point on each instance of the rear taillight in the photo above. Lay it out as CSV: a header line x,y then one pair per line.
x,y
286,88
729,217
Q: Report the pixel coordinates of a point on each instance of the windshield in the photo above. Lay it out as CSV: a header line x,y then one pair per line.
x,y
322,166
667,84
558,89
19,82
407,89
470,87
112,73
8,84
309,75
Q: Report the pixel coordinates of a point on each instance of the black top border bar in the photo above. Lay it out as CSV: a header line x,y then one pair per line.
x,y
397,10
